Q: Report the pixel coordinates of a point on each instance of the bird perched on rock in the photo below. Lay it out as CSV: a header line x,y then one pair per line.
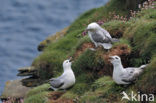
x,y
123,75
66,80
100,36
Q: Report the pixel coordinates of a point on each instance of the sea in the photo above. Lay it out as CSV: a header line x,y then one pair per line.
x,y
25,23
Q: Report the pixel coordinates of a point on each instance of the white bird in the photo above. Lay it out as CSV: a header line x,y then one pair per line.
x,y
100,36
66,80
123,75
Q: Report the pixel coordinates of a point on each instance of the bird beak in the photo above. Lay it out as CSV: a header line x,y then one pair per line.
x,y
87,29
70,59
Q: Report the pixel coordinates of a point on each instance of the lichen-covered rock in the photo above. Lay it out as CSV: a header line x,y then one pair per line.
x,y
14,89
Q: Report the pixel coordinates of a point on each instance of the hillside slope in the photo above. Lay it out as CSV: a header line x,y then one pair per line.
x,y
137,33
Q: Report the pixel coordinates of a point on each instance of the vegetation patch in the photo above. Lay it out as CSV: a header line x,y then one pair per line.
x,y
92,69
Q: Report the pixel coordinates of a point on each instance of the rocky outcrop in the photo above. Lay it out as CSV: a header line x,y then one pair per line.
x,y
32,76
27,71
14,89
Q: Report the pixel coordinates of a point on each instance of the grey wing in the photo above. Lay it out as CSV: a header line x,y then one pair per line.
x,y
60,77
106,33
99,37
57,82
128,76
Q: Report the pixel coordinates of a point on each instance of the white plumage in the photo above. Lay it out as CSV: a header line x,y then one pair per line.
x,y
123,75
66,80
100,36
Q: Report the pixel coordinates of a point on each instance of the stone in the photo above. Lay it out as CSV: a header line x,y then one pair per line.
x,y
14,89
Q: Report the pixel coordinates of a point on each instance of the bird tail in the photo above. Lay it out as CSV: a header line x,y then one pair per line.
x,y
106,45
114,40
143,66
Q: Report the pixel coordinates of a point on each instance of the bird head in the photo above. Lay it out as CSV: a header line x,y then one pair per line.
x,y
67,63
115,59
93,27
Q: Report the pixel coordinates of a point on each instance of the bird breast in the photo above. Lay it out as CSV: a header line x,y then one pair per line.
x,y
69,79
116,76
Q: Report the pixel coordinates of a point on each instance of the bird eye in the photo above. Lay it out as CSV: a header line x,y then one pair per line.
x,y
116,57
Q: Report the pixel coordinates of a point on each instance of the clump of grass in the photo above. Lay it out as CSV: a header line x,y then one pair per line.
x,y
37,98
37,94
122,41
87,62
142,40
102,90
69,95
78,46
38,89
146,82
116,28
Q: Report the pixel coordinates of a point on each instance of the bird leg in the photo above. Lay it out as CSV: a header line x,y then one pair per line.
x,y
94,49
95,45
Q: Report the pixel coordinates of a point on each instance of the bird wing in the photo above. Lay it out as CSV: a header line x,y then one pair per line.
x,y
128,75
57,82
99,37
106,33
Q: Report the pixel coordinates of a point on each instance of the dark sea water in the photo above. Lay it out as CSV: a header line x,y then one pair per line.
x,y
25,23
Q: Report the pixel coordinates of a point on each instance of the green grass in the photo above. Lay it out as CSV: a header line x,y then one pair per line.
x,y
58,51
37,98
139,34
116,27
148,75
101,91
37,94
38,89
